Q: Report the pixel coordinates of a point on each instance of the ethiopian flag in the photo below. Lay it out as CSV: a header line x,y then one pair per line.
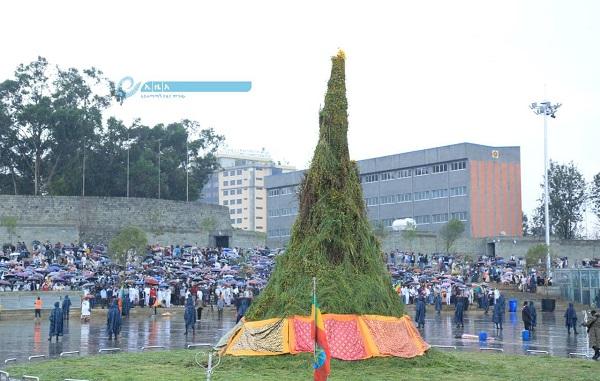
x,y
321,355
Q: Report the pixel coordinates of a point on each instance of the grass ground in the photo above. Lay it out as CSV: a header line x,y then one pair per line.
x,y
436,365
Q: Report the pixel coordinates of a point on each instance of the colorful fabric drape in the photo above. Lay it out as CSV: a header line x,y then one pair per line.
x,y
322,355
349,337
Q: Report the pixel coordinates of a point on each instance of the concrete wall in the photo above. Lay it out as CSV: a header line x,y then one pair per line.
x,y
24,300
98,219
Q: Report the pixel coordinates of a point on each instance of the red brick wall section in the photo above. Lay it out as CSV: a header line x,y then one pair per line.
x,y
495,198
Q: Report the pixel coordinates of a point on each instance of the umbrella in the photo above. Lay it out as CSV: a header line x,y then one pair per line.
x,y
151,281
4,282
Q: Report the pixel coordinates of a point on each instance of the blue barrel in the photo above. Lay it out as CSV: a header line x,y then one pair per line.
x,y
525,335
512,305
482,336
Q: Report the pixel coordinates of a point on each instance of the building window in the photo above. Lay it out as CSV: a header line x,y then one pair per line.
x,y
259,198
422,171
231,173
458,191
259,217
239,171
403,173
259,188
458,165
385,176
238,201
439,193
387,199
439,218
273,192
231,211
239,191
405,197
225,192
225,202
439,168
239,221
424,195
273,212
420,220
225,173
370,178
259,178
238,182
462,216
371,201
225,183
238,211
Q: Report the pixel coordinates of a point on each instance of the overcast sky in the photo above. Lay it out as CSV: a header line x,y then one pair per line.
x,y
419,73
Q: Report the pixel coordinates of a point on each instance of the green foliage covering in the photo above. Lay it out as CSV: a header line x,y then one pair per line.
x,y
331,238
129,239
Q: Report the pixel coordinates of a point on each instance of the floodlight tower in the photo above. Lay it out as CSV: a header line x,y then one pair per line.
x,y
546,109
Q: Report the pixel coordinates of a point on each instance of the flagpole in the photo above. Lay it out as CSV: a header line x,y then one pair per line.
x,y
315,317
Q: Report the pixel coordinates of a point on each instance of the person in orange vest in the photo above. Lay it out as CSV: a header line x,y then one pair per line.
x,y
38,308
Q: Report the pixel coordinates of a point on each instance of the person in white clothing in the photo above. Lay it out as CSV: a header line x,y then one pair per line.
x,y
85,310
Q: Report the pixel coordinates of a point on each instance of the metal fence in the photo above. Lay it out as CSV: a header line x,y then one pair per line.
x,y
578,285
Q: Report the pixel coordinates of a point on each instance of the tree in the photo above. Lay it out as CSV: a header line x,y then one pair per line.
x,y
451,231
52,118
332,238
535,254
595,194
409,234
567,195
525,224
129,242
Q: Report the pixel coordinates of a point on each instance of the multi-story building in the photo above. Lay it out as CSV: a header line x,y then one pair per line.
x,y
239,184
479,185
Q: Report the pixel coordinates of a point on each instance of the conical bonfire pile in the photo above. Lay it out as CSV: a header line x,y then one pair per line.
x,y
331,238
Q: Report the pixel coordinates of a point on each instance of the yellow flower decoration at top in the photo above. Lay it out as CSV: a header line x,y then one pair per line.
x,y
341,54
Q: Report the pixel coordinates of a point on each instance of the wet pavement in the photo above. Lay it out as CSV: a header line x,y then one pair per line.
x,y
23,338
550,334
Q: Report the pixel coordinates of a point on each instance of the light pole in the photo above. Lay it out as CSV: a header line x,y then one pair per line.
x,y
128,144
159,169
187,172
546,109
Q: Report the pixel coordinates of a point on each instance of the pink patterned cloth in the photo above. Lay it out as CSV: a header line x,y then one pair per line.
x,y
345,340
304,342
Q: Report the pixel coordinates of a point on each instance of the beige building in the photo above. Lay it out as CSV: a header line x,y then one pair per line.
x,y
239,185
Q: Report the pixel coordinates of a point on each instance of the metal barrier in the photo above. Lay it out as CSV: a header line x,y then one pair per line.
x,y
579,355
533,351
62,354
152,347
36,357
4,376
32,378
492,349
12,359
109,350
199,345
444,346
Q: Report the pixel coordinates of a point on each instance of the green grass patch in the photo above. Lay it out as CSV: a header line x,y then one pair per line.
x,y
436,365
